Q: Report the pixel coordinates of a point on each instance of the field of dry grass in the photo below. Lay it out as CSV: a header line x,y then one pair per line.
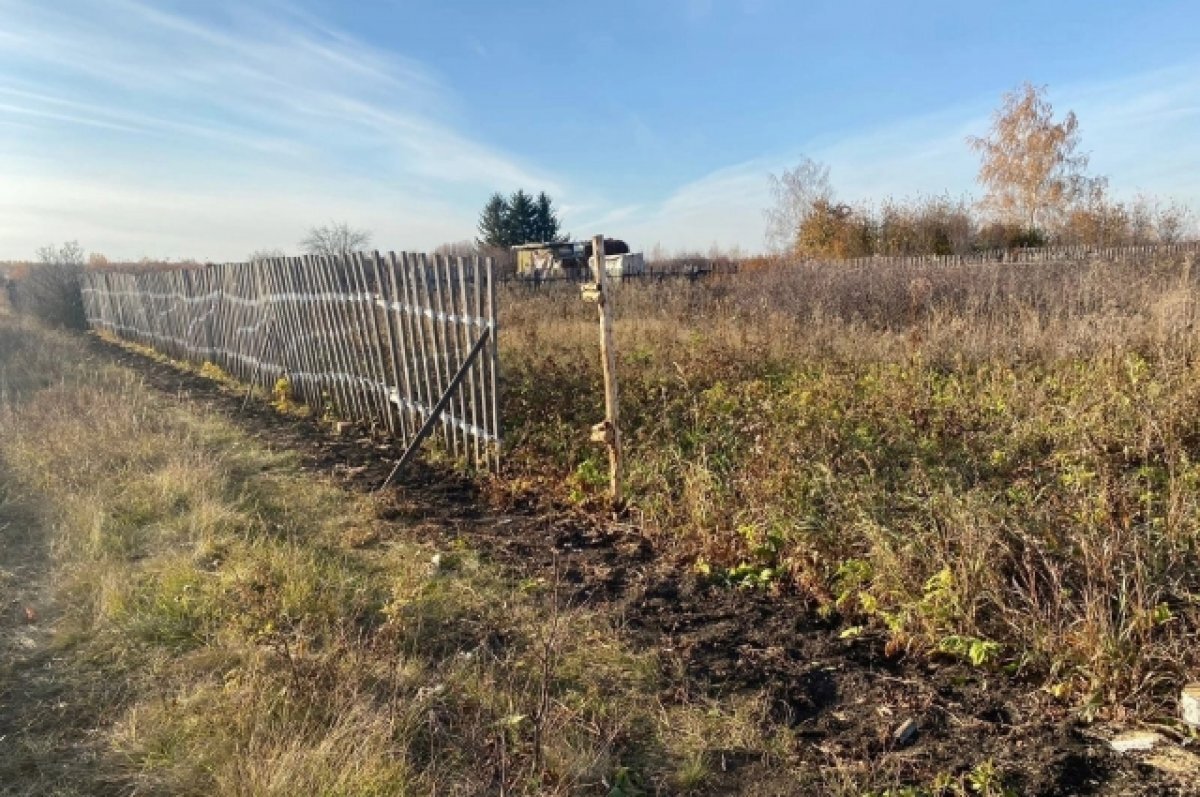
x,y
974,484
997,463
207,618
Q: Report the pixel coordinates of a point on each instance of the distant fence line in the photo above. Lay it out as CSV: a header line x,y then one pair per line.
x,y
389,340
676,269
1041,254
700,267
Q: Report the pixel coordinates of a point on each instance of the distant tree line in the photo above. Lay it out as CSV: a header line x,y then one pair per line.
x,y
519,219
50,287
335,238
1037,192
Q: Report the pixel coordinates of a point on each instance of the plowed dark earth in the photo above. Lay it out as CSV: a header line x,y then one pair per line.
x,y
842,698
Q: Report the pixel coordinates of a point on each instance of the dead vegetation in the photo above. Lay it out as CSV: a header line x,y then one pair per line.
x,y
227,624
990,463
973,488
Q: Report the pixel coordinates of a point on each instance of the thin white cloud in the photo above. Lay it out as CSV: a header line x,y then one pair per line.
x,y
268,75
1140,131
144,131
724,209
193,111
128,222
59,116
592,218
35,104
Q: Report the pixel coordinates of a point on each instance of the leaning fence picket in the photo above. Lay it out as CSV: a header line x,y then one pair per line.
x,y
369,334
468,318
370,307
403,395
455,330
327,343
412,345
350,320
420,349
305,276
320,346
433,345
443,347
492,365
293,363
383,311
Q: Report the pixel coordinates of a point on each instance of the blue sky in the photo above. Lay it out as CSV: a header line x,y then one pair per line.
x,y
210,129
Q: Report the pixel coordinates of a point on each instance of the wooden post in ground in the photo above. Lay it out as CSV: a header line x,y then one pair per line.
x,y
609,430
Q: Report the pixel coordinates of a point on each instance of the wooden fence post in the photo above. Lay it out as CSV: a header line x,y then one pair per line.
x,y
609,430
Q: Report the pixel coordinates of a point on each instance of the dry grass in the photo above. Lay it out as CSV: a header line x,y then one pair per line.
x,y
993,462
222,629
993,465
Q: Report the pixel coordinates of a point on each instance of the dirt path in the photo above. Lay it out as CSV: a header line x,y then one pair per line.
x,y
841,699
44,727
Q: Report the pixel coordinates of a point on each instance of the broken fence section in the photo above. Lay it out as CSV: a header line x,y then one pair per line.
x,y
379,339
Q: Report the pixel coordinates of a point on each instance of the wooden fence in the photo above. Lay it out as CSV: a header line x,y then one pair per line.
x,y
700,267
405,343
1040,254
693,269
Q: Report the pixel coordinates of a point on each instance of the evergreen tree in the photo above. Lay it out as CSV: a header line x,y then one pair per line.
x,y
494,228
522,219
547,225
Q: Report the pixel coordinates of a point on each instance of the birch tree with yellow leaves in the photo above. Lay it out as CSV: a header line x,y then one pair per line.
x,y
1030,164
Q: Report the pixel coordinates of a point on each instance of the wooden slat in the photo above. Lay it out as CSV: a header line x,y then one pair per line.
x,y
335,360
296,361
480,368
333,392
493,361
351,334
465,327
381,338
443,345
409,347
368,335
244,336
281,323
398,379
292,271
430,341
412,276
224,317
408,327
